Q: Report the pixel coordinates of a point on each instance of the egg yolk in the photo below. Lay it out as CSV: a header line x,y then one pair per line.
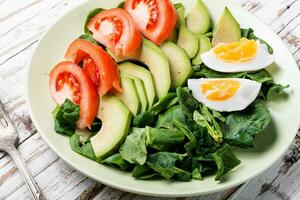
x,y
241,51
219,90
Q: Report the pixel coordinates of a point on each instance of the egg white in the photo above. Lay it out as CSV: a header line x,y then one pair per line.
x,y
261,60
244,96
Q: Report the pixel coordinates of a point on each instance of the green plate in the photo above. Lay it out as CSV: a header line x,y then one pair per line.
x,y
269,146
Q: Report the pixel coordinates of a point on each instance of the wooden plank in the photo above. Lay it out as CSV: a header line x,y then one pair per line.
x,y
56,179
279,182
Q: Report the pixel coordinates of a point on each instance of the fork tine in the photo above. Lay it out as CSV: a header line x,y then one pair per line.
x,y
4,119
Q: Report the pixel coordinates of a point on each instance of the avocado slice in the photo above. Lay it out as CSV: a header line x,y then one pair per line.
x,y
227,30
139,85
204,46
129,95
144,75
180,65
188,41
180,15
157,62
116,120
198,20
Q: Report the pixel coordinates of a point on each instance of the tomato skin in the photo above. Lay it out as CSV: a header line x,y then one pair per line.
x,y
89,98
79,50
162,24
124,38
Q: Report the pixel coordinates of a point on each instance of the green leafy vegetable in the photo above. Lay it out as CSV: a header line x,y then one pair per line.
x,y
181,126
66,118
143,172
134,148
163,139
144,119
207,120
276,90
165,103
204,144
91,14
187,102
121,4
165,120
117,161
240,127
89,37
196,175
249,33
82,149
225,160
164,164
148,118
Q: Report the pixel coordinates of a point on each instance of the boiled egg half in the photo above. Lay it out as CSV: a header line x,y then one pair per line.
x,y
224,94
243,56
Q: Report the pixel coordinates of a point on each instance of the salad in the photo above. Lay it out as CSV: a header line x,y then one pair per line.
x,y
161,93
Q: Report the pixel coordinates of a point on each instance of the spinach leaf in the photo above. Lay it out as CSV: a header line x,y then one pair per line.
x,y
187,102
144,119
204,144
205,72
163,139
185,130
242,126
164,164
249,33
143,172
117,161
91,14
121,4
225,160
148,118
66,118
261,76
196,175
218,116
178,5
165,120
89,37
207,120
82,149
134,148
276,90
165,103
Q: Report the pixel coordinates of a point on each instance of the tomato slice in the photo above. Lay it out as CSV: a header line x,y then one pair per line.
x,y
68,80
156,19
95,59
115,29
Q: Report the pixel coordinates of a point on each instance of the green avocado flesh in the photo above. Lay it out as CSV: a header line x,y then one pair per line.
x,y
139,85
188,41
198,20
204,46
144,75
180,65
157,62
129,96
227,30
112,112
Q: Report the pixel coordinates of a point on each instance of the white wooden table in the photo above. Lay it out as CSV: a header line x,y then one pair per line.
x,y
21,24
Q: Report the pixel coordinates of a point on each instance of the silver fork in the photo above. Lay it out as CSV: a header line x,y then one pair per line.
x,y
8,139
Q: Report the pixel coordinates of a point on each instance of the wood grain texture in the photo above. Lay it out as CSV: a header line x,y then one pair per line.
x,y
21,24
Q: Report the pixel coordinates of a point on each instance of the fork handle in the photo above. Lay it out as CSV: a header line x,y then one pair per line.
x,y
30,182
